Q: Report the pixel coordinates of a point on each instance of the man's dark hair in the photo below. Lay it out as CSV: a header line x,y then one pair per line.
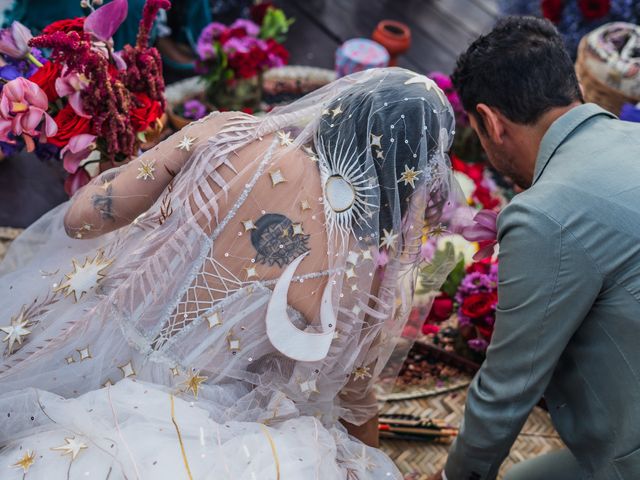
x,y
521,68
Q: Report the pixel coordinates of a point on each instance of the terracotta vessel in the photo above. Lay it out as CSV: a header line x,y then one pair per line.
x,y
395,37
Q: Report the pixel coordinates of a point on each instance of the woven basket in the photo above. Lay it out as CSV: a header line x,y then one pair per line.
x,y
595,90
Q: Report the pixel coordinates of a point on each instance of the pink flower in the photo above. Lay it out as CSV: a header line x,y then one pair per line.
x,y
22,108
78,148
251,28
14,41
76,181
71,85
484,231
427,250
103,22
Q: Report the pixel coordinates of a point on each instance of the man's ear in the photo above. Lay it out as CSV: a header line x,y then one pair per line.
x,y
492,121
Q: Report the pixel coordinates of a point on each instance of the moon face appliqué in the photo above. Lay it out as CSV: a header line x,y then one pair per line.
x,y
339,193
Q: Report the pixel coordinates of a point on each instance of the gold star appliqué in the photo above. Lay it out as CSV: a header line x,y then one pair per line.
x,y
409,176
84,277
16,331
194,381
28,459
186,143
146,169
71,447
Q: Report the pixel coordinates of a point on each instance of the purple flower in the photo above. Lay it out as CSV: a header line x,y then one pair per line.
x,y
10,72
194,109
14,41
478,344
208,36
105,21
484,230
239,45
251,28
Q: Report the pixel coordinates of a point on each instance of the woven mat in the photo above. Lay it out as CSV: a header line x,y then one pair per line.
x,y
7,235
417,461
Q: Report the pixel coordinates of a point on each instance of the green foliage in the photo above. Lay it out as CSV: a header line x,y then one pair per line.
x,y
275,25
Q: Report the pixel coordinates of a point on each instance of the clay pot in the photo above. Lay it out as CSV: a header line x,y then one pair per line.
x,y
395,37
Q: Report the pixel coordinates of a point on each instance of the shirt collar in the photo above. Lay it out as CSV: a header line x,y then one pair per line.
x,y
561,129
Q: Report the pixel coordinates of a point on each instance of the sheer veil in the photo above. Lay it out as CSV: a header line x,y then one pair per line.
x,y
281,260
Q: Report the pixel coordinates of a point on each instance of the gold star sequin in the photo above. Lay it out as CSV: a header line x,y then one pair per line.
x,y
325,111
366,255
127,370
297,229
251,272
376,140
194,381
214,319
146,169
409,176
336,111
350,273
304,205
186,143
285,138
69,360
389,239
276,177
353,257
234,343
248,225
84,277
379,155
71,447
361,373
308,386
174,371
428,84
28,459
84,353
17,330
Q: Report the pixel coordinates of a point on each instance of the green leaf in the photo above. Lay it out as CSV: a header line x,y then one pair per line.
x,y
275,25
434,274
453,281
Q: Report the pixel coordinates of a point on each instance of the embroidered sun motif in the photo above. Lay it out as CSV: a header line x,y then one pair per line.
x,y
84,277
346,187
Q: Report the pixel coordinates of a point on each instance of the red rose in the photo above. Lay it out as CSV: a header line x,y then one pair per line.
x,y
45,77
479,305
483,266
594,9
259,11
441,309
482,195
552,10
66,26
69,124
145,113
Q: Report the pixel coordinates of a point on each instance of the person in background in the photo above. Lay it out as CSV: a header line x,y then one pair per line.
x,y
568,316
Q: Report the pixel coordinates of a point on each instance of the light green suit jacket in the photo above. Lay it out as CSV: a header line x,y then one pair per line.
x,y
568,321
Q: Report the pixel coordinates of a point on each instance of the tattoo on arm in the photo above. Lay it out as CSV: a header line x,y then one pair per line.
x,y
103,203
276,242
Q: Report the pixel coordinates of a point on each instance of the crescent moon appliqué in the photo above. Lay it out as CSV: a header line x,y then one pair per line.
x,y
285,336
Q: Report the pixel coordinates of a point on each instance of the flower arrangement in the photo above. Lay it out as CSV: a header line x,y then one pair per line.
x,y
89,103
232,58
576,18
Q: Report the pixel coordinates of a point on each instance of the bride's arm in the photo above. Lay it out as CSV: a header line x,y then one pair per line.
x,y
118,196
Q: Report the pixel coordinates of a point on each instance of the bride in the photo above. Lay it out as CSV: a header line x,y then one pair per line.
x,y
220,307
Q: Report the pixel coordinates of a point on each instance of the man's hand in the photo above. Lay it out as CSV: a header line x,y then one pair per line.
x,y
436,476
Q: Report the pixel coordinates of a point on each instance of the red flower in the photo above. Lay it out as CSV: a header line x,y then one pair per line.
x,y
429,329
145,113
259,11
479,305
486,332
483,196
45,77
594,9
552,10
483,266
441,309
237,32
475,171
69,124
66,26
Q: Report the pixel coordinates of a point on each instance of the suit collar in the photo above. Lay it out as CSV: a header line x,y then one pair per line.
x,y
561,129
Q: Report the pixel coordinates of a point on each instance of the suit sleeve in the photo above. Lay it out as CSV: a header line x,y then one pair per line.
x,y
547,285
